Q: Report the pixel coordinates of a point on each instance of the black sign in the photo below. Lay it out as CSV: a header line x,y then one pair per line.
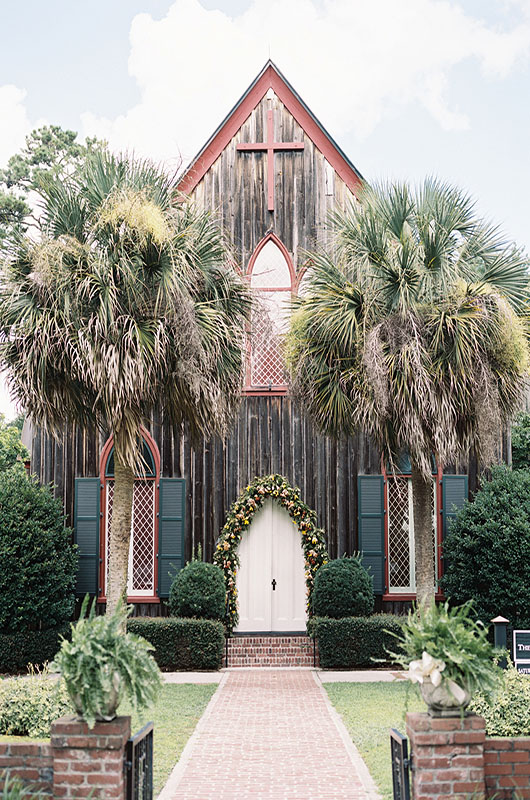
x,y
400,765
521,651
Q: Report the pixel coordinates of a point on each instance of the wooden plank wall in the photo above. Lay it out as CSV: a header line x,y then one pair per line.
x,y
270,435
306,189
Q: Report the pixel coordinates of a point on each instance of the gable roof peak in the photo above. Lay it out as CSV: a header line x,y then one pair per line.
x,y
270,77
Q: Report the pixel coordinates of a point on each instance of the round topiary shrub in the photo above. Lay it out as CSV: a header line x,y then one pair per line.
x,y
38,561
198,591
487,549
343,588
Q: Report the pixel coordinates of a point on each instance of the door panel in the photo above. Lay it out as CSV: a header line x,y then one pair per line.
x,y
253,577
288,569
271,550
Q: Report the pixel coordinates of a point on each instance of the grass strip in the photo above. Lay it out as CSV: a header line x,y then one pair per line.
x,y
175,715
369,710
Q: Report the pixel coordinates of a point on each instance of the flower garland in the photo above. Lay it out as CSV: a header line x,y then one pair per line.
x,y
239,518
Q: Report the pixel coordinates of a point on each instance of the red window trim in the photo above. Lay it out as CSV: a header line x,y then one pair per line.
x,y
438,475
275,390
103,506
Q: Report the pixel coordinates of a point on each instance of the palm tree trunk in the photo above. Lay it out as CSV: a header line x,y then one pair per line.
x,y
120,533
423,542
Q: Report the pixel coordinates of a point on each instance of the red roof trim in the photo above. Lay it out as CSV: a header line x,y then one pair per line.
x,y
270,78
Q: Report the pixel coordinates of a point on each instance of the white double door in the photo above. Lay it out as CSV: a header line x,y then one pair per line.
x,y
271,577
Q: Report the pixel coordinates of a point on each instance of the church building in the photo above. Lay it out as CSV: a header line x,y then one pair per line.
x,y
271,173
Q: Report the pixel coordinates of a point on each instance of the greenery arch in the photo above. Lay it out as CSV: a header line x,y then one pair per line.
x,y
239,518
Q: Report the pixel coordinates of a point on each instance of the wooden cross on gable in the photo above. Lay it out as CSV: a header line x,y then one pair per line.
x,y
270,146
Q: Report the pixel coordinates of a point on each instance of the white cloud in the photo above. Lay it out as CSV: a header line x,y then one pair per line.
x,y
15,122
354,62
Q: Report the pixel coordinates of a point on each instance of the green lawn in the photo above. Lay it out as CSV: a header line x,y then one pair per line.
x,y
176,713
369,710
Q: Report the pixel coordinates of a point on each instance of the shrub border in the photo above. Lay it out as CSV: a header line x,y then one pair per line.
x,y
239,518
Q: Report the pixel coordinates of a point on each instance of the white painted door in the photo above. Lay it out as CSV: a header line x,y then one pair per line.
x,y
271,578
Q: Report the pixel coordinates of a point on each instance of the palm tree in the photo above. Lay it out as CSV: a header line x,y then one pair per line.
x,y
125,302
411,327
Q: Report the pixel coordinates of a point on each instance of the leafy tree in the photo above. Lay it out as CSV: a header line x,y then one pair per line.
x,y
12,451
408,329
521,441
125,303
49,151
487,549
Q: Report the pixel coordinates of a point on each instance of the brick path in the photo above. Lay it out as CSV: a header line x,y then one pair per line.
x,y
269,735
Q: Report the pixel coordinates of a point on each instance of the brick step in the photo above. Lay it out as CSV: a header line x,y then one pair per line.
x,y
264,662
275,640
268,651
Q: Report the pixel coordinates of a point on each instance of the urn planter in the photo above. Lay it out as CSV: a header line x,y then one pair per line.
x,y
440,700
107,708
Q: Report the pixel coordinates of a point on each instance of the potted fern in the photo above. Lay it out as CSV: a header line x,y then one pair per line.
x,y
102,662
447,652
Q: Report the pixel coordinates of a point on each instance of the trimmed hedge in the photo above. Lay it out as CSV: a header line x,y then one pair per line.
x,y
19,650
182,644
356,641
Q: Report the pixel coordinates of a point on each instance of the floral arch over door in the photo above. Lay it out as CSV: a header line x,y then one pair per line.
x,y
239,518
142,572
272,277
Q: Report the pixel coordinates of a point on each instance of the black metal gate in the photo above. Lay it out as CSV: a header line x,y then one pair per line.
x,y
139,765
400,765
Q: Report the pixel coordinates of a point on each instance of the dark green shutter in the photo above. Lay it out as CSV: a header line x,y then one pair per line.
x,y
372,527
170,531
454,493
86,533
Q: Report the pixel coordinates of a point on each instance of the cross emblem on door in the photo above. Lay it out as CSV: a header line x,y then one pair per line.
x,y
270,147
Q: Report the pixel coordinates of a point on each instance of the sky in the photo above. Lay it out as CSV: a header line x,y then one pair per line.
x,y
407,88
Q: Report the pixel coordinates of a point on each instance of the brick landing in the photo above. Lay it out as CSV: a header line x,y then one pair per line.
x,y
269,735
270,651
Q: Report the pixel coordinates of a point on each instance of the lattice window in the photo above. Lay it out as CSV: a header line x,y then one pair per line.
x,y
401,535
400,555
141,550
272,281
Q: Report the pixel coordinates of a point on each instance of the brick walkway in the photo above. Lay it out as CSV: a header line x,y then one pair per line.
x,y
269,735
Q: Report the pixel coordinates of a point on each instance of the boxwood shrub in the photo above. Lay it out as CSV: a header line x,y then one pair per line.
x,y
343,588
198,591
354,642
182,644
24,648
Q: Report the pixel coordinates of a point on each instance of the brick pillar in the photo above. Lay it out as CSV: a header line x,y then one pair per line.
x,y
86,761
447,756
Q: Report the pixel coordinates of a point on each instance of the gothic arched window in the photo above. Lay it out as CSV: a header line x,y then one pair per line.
x,y
272,278
143,548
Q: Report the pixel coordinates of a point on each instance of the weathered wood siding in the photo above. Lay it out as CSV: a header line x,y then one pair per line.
x,y
270,435
306,189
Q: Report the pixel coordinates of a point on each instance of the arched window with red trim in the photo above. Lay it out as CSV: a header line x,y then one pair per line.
x,y
272,277
158,527
142,578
